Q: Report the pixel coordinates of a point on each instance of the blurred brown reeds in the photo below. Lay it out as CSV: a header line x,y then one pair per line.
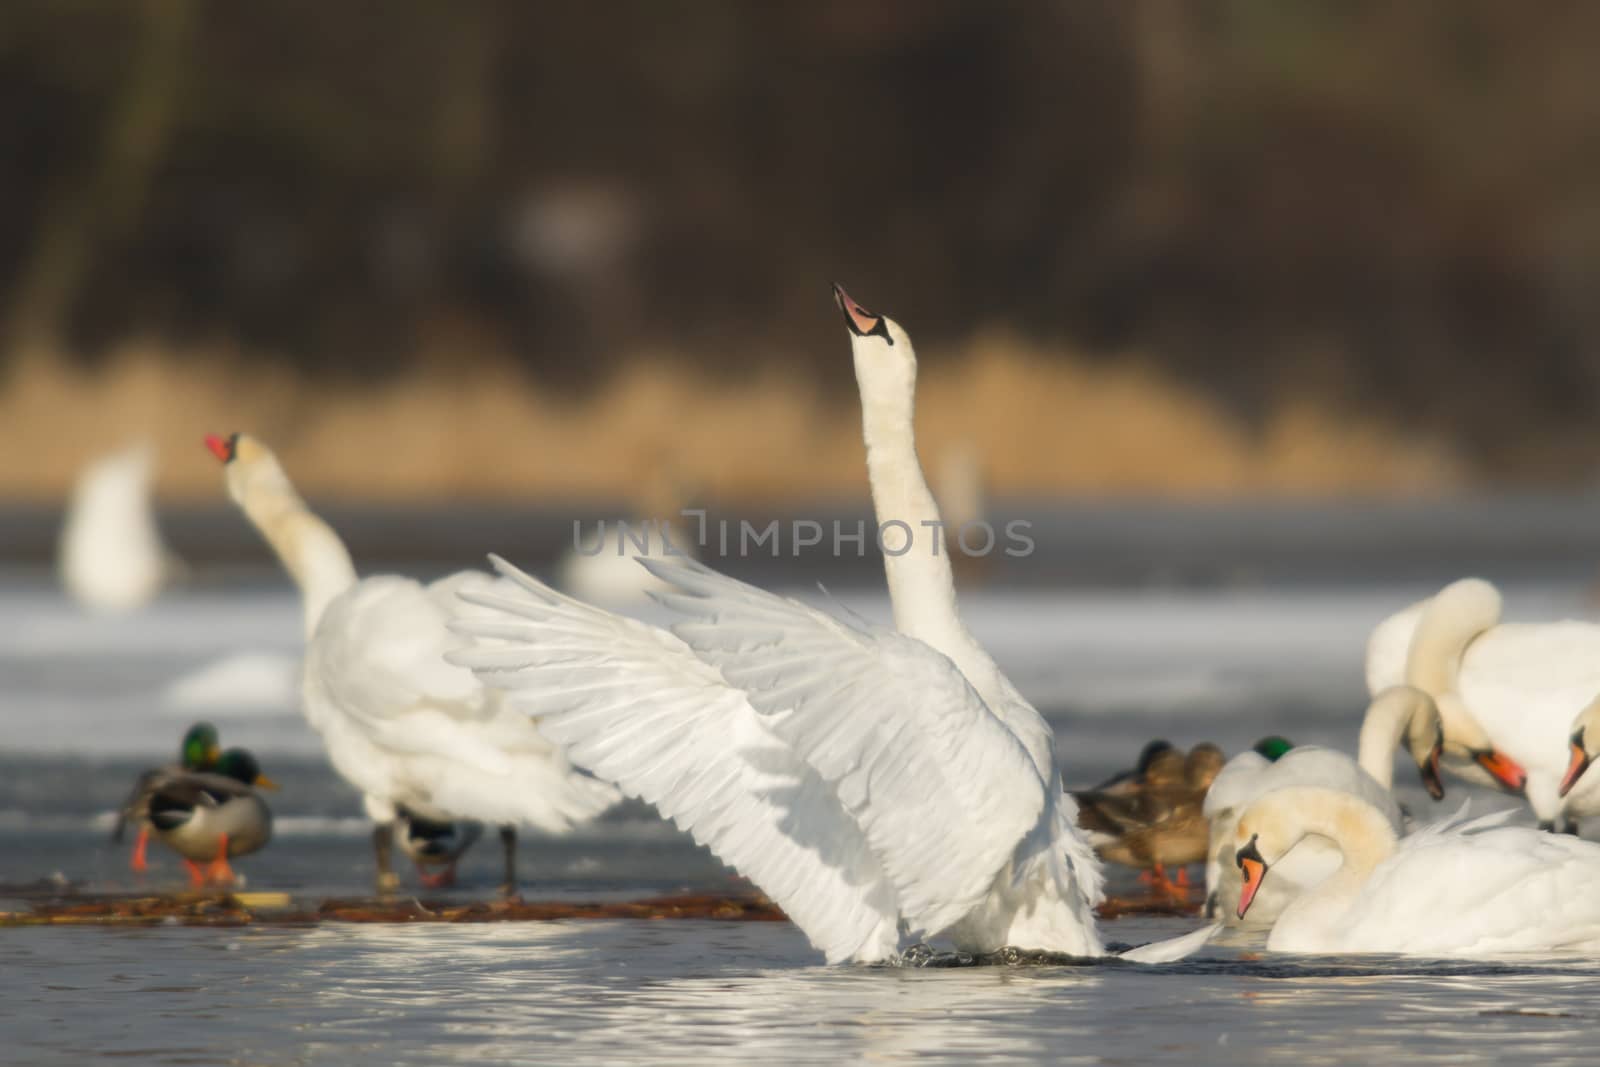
x,y
1039,421
1240,245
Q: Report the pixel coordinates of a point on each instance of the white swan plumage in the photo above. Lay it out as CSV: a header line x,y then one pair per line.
x,y
1579,789
1454,889
1399,714
871,781
1522,684
399,723
111,556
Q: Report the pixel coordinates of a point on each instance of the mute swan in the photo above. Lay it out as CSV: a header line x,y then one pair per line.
x,y
1456,888
1399,715
209,815
1427,714
1521,683
399,723
866,779
111,556
1579,789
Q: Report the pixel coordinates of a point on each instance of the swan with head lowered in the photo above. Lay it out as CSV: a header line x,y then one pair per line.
x,y
875,783
1456,888
420,738
1519,684
1407,713
1400,715
1579,789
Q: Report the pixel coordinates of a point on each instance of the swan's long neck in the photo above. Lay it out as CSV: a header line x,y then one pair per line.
x,y
921,584
1361,832
1382,730
1451,621
311,552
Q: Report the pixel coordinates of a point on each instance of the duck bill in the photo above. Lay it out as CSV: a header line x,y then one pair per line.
x,y
263,782
1430,776
1254,871
1505,770
1575,769
859,319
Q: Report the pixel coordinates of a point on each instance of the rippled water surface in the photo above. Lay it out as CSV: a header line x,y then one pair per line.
x,y
84,704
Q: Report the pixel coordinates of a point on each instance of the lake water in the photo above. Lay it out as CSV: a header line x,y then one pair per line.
x,y
85,704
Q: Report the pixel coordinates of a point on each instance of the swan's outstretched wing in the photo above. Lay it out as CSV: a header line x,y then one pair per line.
x,y
632,704
431,735
943,790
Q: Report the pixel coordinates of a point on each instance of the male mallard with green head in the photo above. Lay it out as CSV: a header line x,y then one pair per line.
x,y
210,815
199,751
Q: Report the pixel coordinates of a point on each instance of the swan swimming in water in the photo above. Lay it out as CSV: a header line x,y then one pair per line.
x,y
403,726
870,781
1456,888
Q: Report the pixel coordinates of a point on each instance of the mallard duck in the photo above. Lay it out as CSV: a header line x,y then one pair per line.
x,y
435,846
1157,821
211,815
199,751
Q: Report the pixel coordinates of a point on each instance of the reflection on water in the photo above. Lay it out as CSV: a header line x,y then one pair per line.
x,y
633,992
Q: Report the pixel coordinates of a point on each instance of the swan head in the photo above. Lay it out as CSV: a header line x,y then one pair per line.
x,y
883,354
1585,745
249,467
1278,820
1424,735
1465,739
1253,868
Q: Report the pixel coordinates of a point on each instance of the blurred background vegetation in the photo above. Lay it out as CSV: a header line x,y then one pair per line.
x,y
498,249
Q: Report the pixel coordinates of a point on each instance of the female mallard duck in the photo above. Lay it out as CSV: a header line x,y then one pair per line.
x,y
212,815
199,751
1157,821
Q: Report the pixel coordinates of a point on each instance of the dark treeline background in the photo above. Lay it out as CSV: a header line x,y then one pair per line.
x,y
1394,205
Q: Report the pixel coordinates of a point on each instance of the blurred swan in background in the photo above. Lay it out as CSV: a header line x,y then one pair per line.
x,y
959,483
601,566
866,779
1519,684
1455,888
399,723
110,555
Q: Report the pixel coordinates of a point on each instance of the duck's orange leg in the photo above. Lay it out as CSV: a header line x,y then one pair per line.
x,y
138,862
1161,886
197,877
443,879
218,870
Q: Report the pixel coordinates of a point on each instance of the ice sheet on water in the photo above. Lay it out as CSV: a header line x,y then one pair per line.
x,y
79,684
